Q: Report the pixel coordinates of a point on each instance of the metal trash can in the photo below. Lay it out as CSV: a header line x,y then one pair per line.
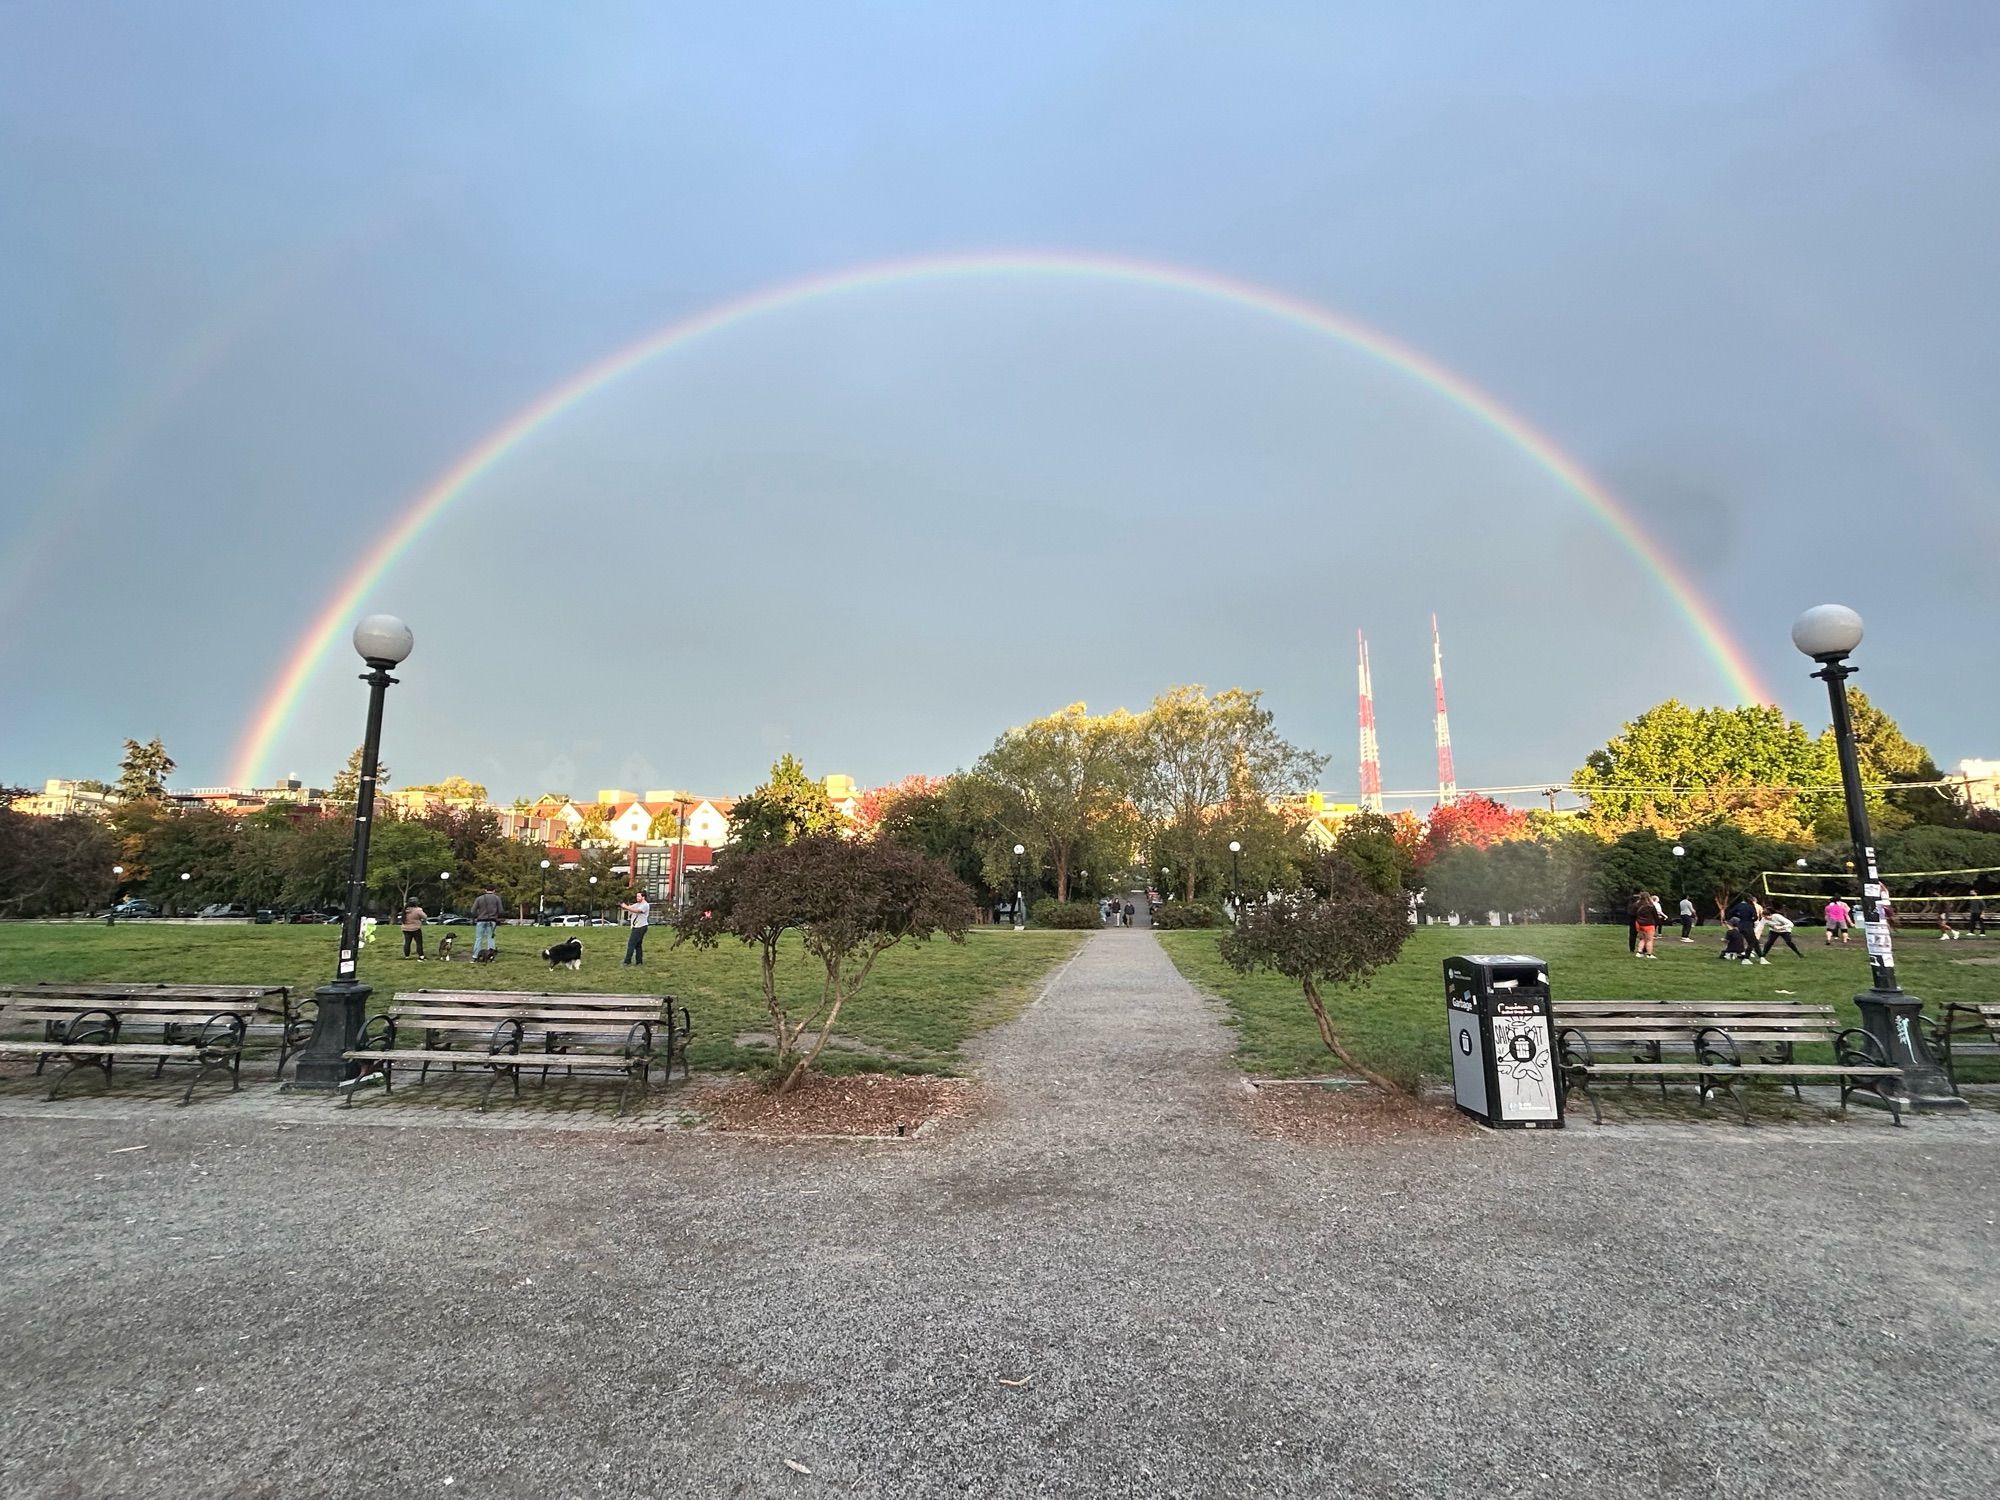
x,y
1503,1060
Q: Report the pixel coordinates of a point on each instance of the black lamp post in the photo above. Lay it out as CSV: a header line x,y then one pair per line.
x,y
542,900
382,641
1828,634
1235,882
1020,882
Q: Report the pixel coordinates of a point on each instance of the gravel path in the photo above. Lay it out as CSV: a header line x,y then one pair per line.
x,y
1107,1289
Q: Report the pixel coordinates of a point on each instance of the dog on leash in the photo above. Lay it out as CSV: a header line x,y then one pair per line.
x,y
565,954
444,948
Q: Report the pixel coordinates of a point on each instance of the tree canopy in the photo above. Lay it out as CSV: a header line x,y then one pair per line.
x,y
788,807
1061,779
143,773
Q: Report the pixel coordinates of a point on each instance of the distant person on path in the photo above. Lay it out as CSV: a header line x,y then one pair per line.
x,y
641,912
1687,920
486,913
1839,920
1647,917
1127,912
1777,929
1975,916
413,929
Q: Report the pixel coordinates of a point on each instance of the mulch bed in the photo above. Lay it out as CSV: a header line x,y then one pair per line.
x,y
1358,1115
878,1104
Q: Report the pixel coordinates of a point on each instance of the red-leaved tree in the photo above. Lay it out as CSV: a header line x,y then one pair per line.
x,y
1471,822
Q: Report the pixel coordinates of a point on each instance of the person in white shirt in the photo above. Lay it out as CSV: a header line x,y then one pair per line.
x,y
641,912
1777,929
1687,920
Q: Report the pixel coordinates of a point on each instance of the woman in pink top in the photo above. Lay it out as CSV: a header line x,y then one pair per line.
x,y
1839,919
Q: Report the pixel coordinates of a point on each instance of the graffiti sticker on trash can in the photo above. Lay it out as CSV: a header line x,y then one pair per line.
x,y
1522,1062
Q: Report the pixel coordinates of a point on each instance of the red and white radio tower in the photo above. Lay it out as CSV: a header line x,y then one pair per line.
x,y
1447,778
1371,755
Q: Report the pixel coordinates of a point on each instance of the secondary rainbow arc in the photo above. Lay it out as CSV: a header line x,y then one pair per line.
x,y
332,621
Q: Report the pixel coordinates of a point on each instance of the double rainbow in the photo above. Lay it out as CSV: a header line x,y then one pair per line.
x,y
335,616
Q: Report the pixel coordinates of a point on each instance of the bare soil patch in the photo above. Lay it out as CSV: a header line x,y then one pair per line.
x,y
1356,1115
877,1104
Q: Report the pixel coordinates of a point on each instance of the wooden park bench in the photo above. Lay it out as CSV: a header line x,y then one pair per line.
x,y
505,1033
291,1026
94,1033
1716,1044
1966,1031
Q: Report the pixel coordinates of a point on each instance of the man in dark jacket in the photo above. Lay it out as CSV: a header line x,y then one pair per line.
x,y
486,913
1742,915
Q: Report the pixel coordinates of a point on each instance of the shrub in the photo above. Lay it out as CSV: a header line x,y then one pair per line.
x,y
1179,914
1073,915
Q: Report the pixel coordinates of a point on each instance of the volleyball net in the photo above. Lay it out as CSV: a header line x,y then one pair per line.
x,y
1915,896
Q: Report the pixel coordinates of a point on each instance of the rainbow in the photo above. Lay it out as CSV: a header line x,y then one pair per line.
x,y
335,616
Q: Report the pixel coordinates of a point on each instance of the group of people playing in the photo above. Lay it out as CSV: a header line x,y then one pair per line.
x,y
1751,929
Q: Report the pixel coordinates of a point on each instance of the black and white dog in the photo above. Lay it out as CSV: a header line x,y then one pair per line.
x,y
568,953
444,948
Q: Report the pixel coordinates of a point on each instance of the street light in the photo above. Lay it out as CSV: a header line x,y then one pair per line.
x,y
1235,883
381,641
593,897
1020,880
542,900
1828,633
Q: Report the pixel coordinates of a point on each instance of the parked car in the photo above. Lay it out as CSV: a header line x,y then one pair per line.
x,y
224,909
453,919
571,919
134,908
308,917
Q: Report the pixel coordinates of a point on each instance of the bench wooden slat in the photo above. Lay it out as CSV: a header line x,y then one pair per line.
x,y
98,1049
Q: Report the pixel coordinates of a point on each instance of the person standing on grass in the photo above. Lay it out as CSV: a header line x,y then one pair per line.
x,y
1777,929
1687,920
413,929
641,912
1839,920
1647,917
1742,915
486,913
1975,916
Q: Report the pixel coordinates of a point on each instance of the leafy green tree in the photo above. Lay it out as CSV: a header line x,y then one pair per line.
x,y
788,807
1197,755
1675,766
405,858
1887,754
1723,862
49,866
1639,860
346,786
1382,847
1337,933
143,773
952,822
1062,778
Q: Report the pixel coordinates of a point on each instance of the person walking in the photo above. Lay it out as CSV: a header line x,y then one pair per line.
x,y
413,929
641,912
487,910
1127,913
1647,916
1777,929
1975,916
1687,920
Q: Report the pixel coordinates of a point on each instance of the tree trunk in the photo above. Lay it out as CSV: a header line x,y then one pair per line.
x,y
1333,1045
1191,872
804,1064
1061,852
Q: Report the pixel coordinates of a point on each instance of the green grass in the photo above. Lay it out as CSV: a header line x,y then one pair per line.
x,y
919,1007
1396,1023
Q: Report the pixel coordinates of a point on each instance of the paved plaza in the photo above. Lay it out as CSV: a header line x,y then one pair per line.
x,y
1104,1286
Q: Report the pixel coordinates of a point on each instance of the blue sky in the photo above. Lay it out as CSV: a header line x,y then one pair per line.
x,y
271,270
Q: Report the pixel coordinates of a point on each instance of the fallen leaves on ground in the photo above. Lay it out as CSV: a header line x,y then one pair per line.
x,y
851,1104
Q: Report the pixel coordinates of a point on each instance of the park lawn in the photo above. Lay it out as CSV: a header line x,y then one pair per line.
x,y
1396,1022
919,1007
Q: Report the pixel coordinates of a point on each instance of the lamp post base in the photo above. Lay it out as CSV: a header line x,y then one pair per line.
x,y
1895,1020
342,1007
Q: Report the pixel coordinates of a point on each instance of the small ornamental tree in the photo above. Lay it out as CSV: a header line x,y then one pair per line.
x,y
849,900
1337,933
